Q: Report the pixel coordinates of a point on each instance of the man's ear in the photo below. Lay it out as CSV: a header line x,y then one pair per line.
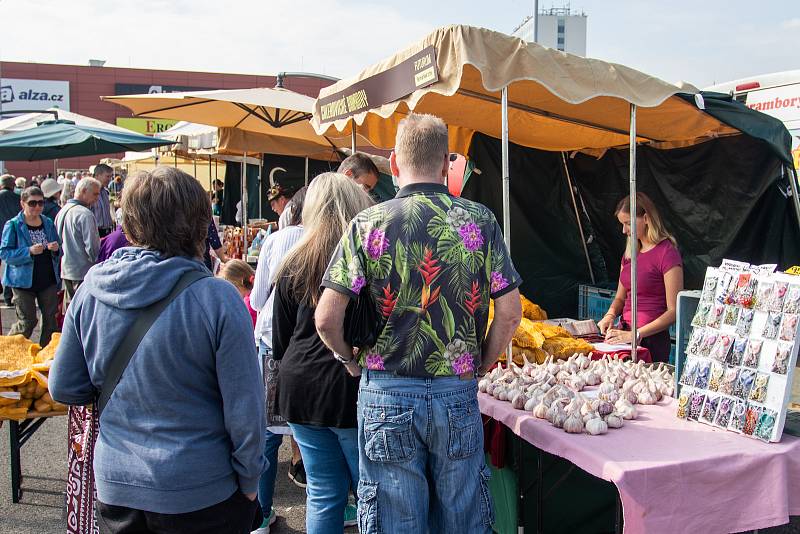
x,y
393,164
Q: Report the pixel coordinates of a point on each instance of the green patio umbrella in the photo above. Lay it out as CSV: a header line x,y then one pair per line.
x,y
64,139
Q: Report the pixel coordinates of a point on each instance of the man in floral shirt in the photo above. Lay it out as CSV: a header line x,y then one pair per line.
x,y
431,262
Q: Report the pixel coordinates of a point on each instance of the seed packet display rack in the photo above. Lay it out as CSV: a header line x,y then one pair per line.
x,y
742,351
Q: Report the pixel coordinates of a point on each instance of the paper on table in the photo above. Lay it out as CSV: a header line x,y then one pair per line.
x,y
608,347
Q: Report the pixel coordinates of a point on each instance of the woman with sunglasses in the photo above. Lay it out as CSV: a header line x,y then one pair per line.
x,y
31,248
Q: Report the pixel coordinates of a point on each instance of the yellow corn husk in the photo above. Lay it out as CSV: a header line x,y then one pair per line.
x,y
49,352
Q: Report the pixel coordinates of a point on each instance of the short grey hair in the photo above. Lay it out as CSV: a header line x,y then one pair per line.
x,y
86,184
102,168
421,145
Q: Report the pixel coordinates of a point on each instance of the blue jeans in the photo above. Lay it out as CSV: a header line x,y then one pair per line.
x,y
330,457
421,456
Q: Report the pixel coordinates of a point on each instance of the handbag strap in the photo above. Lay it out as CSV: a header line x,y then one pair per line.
x,y
119,362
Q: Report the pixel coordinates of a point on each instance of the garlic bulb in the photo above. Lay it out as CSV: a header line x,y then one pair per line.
x,y
591,378
540,411
554,410
604,407
558,420
614,420
628,411
483,384
607,387
502,395
573,424
519,400
531,404
645,397
596,426
490,388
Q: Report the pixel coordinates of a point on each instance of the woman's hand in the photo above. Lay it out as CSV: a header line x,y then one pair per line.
x,y
36,249
52,247
619,337
606,322
353,369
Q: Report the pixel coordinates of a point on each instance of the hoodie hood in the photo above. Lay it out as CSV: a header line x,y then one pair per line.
x,y
133,278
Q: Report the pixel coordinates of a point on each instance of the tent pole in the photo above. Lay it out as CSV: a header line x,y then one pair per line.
x,y
506,187
578,218
244,206
353,138
306,180
194,161
175,159
210,181
795,195
634,240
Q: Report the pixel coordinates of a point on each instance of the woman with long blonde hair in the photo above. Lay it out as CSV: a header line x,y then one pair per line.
x,y
659,279
316,395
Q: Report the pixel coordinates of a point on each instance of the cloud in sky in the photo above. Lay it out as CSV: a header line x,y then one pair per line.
x,y
675,40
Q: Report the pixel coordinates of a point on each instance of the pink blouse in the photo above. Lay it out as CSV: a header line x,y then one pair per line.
x,y
652,295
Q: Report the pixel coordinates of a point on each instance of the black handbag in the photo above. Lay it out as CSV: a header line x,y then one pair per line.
x,y
361,321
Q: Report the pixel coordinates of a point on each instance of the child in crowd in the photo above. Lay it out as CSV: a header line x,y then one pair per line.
x,y
241,275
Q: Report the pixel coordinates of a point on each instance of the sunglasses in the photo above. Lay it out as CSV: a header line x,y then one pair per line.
x,y
34,203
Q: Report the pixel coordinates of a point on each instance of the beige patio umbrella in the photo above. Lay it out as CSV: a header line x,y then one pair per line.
x,y
478,80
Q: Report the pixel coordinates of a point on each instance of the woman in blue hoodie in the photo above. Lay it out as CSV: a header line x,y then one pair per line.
x,y
181,442
31,249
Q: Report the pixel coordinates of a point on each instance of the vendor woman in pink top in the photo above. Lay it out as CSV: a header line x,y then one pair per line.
x,y
659,278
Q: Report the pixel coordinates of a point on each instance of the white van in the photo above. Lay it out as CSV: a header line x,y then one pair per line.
x,y
776,94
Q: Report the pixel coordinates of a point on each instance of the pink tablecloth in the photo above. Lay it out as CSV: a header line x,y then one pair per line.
x,y
675,476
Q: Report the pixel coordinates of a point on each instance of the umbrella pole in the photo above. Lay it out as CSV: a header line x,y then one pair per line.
x,y
175,159
795,197
506,187
306,179
244,205
194,160
634,240
578,217
210,181
260,186
353,138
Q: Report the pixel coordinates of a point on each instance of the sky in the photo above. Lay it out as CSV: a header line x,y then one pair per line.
x,y
699,42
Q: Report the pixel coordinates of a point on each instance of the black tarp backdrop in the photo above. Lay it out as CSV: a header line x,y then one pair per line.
x,y
289,171
725,198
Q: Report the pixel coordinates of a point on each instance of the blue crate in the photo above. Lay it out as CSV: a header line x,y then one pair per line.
x,y
593,302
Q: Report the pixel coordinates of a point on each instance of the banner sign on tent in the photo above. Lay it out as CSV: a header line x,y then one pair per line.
x,y
33,95
138,89
416,72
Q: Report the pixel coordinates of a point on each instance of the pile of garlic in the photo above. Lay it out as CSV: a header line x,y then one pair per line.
x,y
551,390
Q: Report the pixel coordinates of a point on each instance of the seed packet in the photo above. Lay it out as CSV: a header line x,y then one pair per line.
x,y
745,289
753,353
709,286
714,319
729,377
778,296
683,402
752,414
792,302
765,424
744,383
745,322
703,372
715,378
781,363
764,296
696,405
772,325
721,348
695,341
731,315
700,316
724,410
736,355
789,326
689,372
709,340
726,286
738,413
759,391
709,408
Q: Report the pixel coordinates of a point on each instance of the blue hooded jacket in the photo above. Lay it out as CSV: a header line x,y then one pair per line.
x,y
14,250
184,428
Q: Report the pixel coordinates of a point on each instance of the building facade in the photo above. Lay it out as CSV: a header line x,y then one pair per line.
x,y
559,28
38,86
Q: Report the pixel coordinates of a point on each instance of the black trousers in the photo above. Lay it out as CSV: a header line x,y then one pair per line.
x,y
235,515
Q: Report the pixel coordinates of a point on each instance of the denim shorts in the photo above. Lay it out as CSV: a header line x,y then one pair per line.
x,y
421,462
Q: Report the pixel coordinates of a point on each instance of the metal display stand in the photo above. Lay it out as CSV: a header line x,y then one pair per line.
x,y
19,432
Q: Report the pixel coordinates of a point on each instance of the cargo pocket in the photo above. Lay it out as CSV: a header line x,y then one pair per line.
x,y
368,522
464,421
487,507
388,433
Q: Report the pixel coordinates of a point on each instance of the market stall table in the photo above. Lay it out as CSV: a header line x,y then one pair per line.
x,y
19,432
675,476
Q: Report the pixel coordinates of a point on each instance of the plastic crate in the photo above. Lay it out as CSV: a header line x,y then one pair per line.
x,y
593,302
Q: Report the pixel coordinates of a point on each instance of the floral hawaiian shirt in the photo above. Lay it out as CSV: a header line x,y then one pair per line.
x,y
432,261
